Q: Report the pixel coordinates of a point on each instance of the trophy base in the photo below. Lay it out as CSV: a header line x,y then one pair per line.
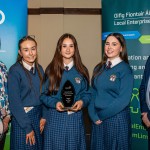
x,y
67,109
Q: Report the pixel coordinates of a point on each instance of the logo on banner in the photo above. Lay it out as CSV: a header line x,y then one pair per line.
x,y
2,17
135,104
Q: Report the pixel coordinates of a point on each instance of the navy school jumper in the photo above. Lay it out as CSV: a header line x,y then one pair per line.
x,y
111,94
65,131
24,91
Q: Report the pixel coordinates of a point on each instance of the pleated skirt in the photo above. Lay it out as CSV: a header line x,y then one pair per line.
x,y
64,132
113,133
18,135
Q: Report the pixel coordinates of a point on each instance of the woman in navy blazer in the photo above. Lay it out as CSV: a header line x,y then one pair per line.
x,y
145,98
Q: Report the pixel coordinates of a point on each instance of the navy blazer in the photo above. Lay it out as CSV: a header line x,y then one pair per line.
x,y
143,87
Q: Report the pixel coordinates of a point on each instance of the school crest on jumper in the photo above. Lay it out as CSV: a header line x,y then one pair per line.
x,y
78,80
113,77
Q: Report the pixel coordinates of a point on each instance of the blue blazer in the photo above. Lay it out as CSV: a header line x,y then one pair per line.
x,y
143,87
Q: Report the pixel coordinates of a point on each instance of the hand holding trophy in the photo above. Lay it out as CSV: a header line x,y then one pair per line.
x,y
77,106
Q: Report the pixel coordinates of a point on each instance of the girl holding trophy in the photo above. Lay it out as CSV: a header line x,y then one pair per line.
x,y
65,92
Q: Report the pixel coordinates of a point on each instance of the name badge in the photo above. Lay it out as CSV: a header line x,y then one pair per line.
x,y
113,77
77,80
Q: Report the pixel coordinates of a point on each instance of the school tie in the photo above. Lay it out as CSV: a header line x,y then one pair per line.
x,y
66,68
108,66
32,70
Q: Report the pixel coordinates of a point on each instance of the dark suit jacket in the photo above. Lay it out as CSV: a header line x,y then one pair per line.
x,y
143,87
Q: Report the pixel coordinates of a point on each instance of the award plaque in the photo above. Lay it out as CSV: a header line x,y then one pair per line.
x,y
67,94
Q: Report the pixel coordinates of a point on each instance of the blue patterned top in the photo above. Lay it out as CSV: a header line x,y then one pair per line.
x,y
3,91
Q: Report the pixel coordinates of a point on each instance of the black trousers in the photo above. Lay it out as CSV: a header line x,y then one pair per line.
x,y
2,142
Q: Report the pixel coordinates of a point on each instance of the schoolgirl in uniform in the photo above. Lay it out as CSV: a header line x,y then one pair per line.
x,y
24,90
64,129
112,84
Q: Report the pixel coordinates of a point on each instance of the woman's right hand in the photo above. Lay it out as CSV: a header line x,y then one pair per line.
x,y
145,119
30,138
59,106
98,122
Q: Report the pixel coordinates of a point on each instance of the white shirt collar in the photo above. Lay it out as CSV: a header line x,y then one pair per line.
x,y
70,65
114,61
28,67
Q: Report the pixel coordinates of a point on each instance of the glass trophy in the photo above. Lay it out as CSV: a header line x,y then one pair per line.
x,y
67,94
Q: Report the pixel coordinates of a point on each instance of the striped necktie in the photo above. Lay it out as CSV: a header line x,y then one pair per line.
x,y
32,70
108,65
66,68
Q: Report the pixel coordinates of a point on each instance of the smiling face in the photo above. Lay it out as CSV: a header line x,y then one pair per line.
x,y
67,50
112,47
28,51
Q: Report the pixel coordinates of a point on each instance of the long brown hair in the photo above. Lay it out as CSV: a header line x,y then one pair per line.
x,y
55,69
123,55
19,57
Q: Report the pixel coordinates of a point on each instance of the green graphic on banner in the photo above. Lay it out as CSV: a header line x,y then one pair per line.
x,y
132,19
145,39
135,101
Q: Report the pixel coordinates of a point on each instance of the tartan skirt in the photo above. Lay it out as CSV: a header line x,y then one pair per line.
x,y
18,135
113,133
64,132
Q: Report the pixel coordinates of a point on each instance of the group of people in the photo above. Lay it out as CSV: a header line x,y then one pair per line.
x,y
39,118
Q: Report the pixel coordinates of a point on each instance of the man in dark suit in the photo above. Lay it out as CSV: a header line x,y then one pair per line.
x,y
145,98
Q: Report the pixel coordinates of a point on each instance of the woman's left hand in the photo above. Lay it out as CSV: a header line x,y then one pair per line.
x,y
42,124
77,106
6,123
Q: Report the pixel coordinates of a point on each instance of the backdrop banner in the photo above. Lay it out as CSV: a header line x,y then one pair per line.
x,y
13,26
132,19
